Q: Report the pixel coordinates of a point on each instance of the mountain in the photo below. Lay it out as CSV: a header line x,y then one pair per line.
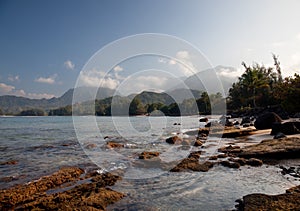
x,y
14,104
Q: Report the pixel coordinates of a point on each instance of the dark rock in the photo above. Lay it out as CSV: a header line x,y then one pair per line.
x,y
214,157
203,119
246,125
287,128
174,140
279,135
254,162
236,123
208,124
246,120
266,120
297,115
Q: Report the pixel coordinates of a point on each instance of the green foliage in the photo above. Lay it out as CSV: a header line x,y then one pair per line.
x,y
63,111
32,112
255,87
288,93
1,112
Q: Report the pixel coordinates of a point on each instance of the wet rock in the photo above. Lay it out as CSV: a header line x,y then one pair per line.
x,y
266,120
193,165
148,155
195,154
203,119
222,155
241,161
230,149
283,148
229,164
214,157
287,201
279,135
202,136
33,196
186,142
287,128
112,144
208,125
9,162
254,162
198,143
174,140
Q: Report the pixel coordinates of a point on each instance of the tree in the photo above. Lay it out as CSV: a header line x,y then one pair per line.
x,y
136,107
1,112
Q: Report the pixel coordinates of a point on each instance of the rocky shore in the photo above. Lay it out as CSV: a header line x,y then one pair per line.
x,y
67,189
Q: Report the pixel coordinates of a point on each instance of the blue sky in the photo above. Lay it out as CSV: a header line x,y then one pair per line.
x,y
45,44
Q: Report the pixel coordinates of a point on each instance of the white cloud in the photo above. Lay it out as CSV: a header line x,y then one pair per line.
x,y
186,65
278,44
172,62
97,78
11,90
137,84
14,78
4,88
230,73
118,68
49,80
69,65
298,36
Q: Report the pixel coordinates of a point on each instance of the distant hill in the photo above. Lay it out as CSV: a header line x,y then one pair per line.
x,y
14,104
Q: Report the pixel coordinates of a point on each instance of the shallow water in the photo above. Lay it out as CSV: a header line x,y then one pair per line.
x,y
41,145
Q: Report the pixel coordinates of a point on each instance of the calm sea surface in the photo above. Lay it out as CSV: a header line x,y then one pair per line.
x,y
41,145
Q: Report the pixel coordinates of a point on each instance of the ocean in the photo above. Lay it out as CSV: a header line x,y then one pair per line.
x,y
41,145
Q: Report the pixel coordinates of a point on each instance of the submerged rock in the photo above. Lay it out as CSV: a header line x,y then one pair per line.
x,y
112,144
148,155
193,165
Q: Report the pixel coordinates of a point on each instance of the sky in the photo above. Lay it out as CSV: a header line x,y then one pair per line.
x,y
46,45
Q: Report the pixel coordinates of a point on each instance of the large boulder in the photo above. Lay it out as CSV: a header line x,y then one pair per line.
x,y
287,128
266,120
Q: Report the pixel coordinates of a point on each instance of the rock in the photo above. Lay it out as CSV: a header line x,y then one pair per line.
x,y
9,162
241,161
287,201
297,115
254,162
214,157
222,156
246,125
279,135
228,164
287,128
283,148
208,124
186,142
174,140
236,122
198,143
41,195
266,120
230,149
246,120
111,145
202,136
195,154
193,165
203,119
148,155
